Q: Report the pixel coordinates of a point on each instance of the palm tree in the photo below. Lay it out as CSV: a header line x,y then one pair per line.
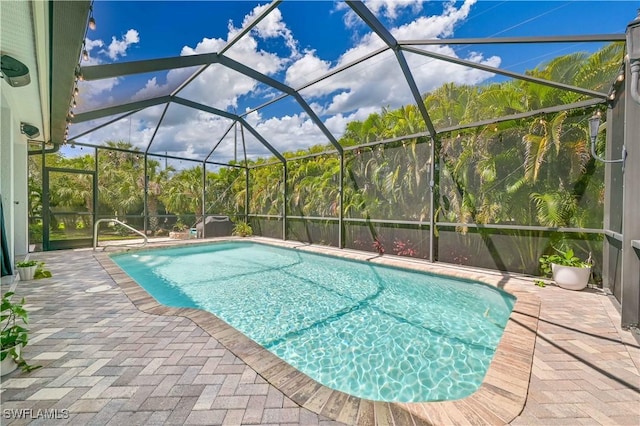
x,y
183,195
157,180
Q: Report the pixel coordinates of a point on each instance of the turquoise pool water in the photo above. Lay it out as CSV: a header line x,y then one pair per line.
x,y
371,331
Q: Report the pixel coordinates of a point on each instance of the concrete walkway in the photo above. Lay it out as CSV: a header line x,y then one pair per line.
x,y
106,362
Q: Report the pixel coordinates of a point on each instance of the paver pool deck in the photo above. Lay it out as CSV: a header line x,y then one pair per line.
x,y
111,355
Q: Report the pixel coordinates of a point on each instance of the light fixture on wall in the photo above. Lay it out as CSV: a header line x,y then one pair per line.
x,y
633,55
15,72
29,130
594,127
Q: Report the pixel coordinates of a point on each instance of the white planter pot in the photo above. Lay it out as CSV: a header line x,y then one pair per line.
x,y
26,273
571,277
8,365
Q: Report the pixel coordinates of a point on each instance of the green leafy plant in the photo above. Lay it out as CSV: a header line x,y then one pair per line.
x,y
180,227
566,258
26,263
13,336
41,272
242,229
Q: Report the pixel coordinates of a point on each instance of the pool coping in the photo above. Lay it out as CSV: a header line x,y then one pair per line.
x,y
500,398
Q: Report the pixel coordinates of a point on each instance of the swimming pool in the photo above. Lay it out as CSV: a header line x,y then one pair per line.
x,y
372,331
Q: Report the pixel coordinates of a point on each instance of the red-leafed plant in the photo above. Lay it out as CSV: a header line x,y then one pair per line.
x,y
378,246
404,248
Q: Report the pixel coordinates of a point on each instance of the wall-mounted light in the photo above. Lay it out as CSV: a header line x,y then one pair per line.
x,y
29,130
13,71
633,55
594,127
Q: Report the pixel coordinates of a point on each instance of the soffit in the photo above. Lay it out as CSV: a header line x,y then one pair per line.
x,y
68,25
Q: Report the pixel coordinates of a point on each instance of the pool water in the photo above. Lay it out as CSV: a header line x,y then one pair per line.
x,y
371,331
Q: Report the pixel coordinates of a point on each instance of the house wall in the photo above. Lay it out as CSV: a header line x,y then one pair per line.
x,y
13,180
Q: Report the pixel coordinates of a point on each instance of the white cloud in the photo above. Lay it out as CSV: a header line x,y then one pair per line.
x,y
98,93
390,8
118,48
309,64
272,26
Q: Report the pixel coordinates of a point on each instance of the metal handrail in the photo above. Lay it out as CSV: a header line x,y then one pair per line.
x,y
95,232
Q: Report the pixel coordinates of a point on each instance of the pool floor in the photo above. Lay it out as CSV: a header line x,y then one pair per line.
x,y
371,331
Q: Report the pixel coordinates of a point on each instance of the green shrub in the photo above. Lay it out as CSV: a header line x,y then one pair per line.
x,y
242,229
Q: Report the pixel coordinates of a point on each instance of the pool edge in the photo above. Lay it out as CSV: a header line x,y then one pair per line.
x,y
500,398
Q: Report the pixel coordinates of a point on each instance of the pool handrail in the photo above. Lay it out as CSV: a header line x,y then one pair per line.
x,y
95,232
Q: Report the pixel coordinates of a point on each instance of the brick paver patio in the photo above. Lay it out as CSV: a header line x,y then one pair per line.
x,y
107,362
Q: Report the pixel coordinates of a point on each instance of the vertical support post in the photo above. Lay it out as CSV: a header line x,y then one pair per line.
x,y
45,203
146,194
433,182
341,212
613,176
631,208
246,177
46,209
204,192
284,201
246,193
95,190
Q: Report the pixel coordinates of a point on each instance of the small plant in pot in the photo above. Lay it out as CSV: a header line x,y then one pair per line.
x,y
32,270
568,271
27,269
13,335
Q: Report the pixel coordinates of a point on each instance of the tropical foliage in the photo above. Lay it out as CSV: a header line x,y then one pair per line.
x,y
533,171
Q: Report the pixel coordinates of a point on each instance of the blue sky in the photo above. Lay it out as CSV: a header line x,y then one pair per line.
x,y
299,41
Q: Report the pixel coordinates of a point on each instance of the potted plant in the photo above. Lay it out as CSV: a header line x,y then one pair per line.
x,y
13,336
242,229
27,269
567,270
32,270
